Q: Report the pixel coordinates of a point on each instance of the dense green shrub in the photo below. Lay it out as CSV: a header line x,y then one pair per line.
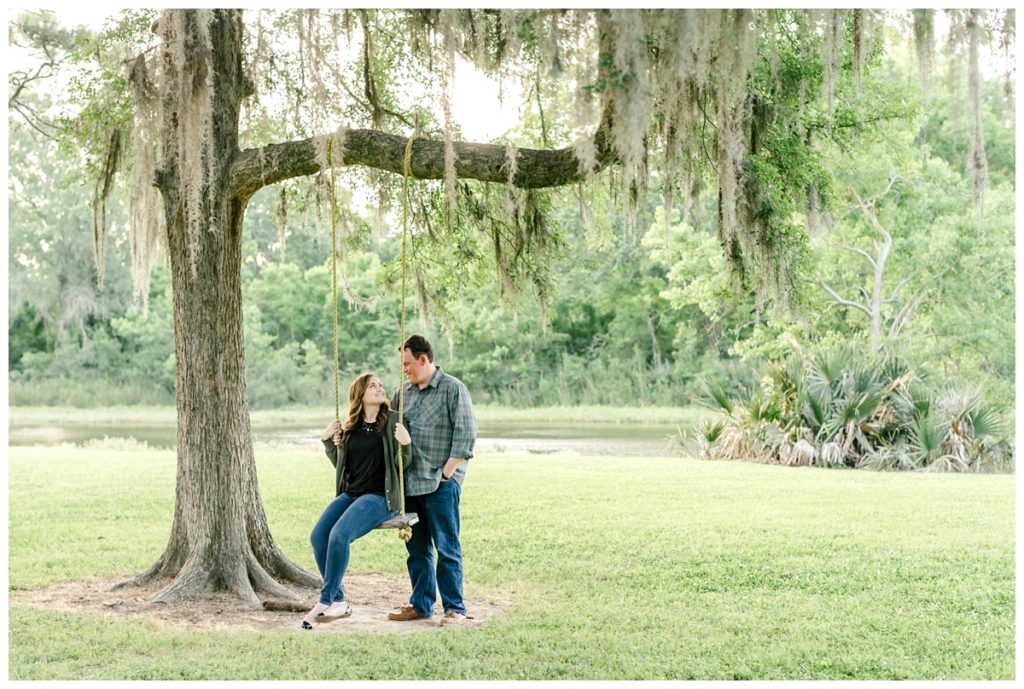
x,y
849,408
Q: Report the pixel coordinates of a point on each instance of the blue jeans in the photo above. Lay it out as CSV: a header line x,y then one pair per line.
x,y
342,522
438,527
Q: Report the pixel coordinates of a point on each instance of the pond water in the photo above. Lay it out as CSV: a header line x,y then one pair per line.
x,y
518,438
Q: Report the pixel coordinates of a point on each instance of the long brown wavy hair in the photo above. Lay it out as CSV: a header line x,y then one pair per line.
x,y
355,406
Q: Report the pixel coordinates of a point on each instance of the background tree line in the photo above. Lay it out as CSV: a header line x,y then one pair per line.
x,y
639,315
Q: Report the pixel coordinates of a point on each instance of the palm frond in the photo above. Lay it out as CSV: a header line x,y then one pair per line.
x,y
925,437
711,430
816,407
712,395
829,368
986,422
912,401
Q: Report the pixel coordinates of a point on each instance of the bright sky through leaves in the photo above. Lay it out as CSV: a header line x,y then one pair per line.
x,y
476,104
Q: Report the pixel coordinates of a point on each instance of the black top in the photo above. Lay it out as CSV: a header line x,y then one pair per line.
x,y
365,451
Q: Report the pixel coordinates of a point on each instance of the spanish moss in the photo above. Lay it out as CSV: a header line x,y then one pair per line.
x,y
104,185
145,234
195,159
1007,34
979,164
924,45
448,28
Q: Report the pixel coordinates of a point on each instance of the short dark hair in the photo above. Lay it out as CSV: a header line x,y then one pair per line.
x,y
419,345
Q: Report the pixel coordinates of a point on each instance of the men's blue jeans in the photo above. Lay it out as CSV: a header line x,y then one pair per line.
x,y
438,528
342,522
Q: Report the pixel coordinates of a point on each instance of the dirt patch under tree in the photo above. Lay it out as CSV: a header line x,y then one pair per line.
x,y
372,596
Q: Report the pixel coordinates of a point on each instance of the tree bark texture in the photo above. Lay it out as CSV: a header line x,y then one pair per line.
x,y
219,537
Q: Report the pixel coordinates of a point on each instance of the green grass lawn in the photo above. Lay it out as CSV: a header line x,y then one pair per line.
x,y
617,569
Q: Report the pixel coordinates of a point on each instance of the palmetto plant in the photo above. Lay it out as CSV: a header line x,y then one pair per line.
x,y
925,446
714,396
841,407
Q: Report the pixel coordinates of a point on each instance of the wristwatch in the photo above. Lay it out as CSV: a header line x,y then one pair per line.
x,y
445,478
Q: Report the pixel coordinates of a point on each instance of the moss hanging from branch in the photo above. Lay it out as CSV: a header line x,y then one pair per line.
x,y
448,28
511,166
551,38
330,153
860,30
1007,34
677,102
314,62
254,111
924,47
369,81
830,52
955,40
770,27
192,90
732,112
101,192
631,110
978,163
146,239
708,35
584,112
281,219
508,42
477,38
672,85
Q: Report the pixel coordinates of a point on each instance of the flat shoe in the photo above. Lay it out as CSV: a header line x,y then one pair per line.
x,y
335,612
307,622
453,618
406,614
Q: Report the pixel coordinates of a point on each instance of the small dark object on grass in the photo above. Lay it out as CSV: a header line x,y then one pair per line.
x,y
281,605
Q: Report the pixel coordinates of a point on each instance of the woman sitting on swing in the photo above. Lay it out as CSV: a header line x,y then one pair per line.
x,y
363,451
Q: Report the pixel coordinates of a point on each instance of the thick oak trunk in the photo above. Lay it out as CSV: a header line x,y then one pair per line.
x,y
219,537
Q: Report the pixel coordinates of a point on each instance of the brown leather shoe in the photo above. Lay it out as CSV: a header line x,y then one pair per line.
x,y
406,614
453,618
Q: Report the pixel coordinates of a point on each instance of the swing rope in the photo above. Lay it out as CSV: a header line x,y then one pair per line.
x,y
405,531
334,282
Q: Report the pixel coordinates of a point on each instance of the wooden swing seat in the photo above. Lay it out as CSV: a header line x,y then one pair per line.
x,y
399,521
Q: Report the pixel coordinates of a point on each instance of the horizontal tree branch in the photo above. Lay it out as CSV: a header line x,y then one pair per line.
x,y
535,168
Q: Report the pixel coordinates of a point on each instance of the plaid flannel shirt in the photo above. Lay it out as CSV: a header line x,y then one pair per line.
x,y
441,422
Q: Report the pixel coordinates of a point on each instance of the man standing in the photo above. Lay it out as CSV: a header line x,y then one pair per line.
x,y
439,415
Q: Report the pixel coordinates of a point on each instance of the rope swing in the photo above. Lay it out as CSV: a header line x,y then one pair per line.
x,y
403,521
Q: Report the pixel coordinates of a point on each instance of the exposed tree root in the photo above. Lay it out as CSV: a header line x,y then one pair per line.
x,y
249,578
278,564
145,577
264,583
190,581
169,564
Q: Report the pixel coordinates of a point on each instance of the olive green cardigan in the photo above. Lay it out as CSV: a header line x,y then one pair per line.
x,y
392,493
